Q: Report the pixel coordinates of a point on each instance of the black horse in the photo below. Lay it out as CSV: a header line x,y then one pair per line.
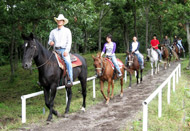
x,y
49,72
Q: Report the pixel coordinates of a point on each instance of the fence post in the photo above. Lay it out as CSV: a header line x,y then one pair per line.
x,y
177,76
145,116
94,88
23,109
168,96
160,103
174,82
125,76
66,97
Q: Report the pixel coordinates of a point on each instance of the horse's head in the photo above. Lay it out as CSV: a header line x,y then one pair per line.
x,y
98,64
130,58
30,48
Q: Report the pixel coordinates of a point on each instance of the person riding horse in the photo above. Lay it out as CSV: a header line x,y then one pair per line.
x,y
166,42
110,48
154,43
134,48
61,38
179,44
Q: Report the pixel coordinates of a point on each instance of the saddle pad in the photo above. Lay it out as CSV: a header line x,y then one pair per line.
x,y
61,62
120,63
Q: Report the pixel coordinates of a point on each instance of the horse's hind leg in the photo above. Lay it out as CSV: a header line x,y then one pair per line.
x,y
83,85
112,92
121,82
69,95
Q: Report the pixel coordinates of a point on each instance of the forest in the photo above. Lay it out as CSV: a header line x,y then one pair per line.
x,y
90,21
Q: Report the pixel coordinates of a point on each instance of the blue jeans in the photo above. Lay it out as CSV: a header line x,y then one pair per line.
x,y
139,57
179,45
114,60
159,53
67,60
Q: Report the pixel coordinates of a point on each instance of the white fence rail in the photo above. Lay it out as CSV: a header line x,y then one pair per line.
x,y
175,74
24,97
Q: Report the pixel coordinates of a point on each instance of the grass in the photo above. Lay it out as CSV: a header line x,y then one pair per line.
x,y
25,83
175,116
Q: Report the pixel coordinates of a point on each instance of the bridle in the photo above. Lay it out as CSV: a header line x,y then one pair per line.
x,y
35,49
130,62
102,68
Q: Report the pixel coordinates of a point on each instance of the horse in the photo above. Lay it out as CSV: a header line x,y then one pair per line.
x,y
153,56
133,65
176,49
105,72
166,55
50,74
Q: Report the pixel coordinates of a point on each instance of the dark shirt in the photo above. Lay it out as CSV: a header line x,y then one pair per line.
x,y
166,42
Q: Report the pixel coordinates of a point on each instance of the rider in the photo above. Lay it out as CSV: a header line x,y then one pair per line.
x,y
110,48
167,43
179,44
61,38
134,48
154,42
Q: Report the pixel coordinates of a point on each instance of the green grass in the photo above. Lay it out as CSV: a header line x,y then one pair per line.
x,y
26,83
175,116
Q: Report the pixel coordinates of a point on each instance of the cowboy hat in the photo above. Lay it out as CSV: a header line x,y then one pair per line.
x,y
61,17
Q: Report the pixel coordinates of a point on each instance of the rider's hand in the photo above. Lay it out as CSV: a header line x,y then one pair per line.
x,y
51,43
65,54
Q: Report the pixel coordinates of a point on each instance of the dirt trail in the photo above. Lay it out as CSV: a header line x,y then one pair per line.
x,y
114,116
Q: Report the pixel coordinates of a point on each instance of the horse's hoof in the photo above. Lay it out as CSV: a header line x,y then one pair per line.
x,y
108,100
48,122
58,115
66,115
111,97
83,109
121,95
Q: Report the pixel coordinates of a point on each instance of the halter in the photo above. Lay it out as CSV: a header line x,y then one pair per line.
x,y
102,67
131,61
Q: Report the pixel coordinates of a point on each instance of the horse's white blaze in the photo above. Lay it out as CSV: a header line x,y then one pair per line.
x,y
26,44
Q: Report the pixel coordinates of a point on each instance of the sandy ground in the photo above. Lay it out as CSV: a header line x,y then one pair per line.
x,y
114,116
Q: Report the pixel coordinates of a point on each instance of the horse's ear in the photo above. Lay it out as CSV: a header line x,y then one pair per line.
x,y
93,57
24,37
127,52
31,36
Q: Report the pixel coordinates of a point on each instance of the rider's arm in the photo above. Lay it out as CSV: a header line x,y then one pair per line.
x,y
114,47
51,38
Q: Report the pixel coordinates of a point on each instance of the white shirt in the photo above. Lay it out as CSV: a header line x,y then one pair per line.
x,y
61,38
134,46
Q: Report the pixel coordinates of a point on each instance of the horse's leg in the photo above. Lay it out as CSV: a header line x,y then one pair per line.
x,y
69,95
51,102
108,95
141,75
121,82
152,68
137,76
47,102
102,89
83,85
130,80
112,83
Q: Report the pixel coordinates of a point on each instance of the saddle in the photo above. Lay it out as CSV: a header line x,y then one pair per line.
x,y
74,60
120,63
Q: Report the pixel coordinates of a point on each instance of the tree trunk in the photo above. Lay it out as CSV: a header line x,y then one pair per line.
x,y
100,30
147,20
135,17
85,41
188,41
15,57
126,37
160,26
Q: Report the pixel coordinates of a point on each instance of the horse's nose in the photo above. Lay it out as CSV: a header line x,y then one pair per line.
x,y
25,65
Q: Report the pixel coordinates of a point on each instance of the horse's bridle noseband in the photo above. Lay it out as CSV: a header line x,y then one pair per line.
x,y
102,67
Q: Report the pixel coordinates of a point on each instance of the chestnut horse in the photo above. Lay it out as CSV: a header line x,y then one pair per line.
x,y
176,49
105,72
133,65
166,55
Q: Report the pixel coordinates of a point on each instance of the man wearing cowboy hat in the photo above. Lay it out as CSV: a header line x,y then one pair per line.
x,y
61,38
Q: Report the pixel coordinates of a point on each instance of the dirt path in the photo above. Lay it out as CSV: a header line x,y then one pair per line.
x,y
114,116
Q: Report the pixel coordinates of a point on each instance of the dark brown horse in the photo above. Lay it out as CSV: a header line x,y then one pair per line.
x,y
166,55
133,65
176,49
105,72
